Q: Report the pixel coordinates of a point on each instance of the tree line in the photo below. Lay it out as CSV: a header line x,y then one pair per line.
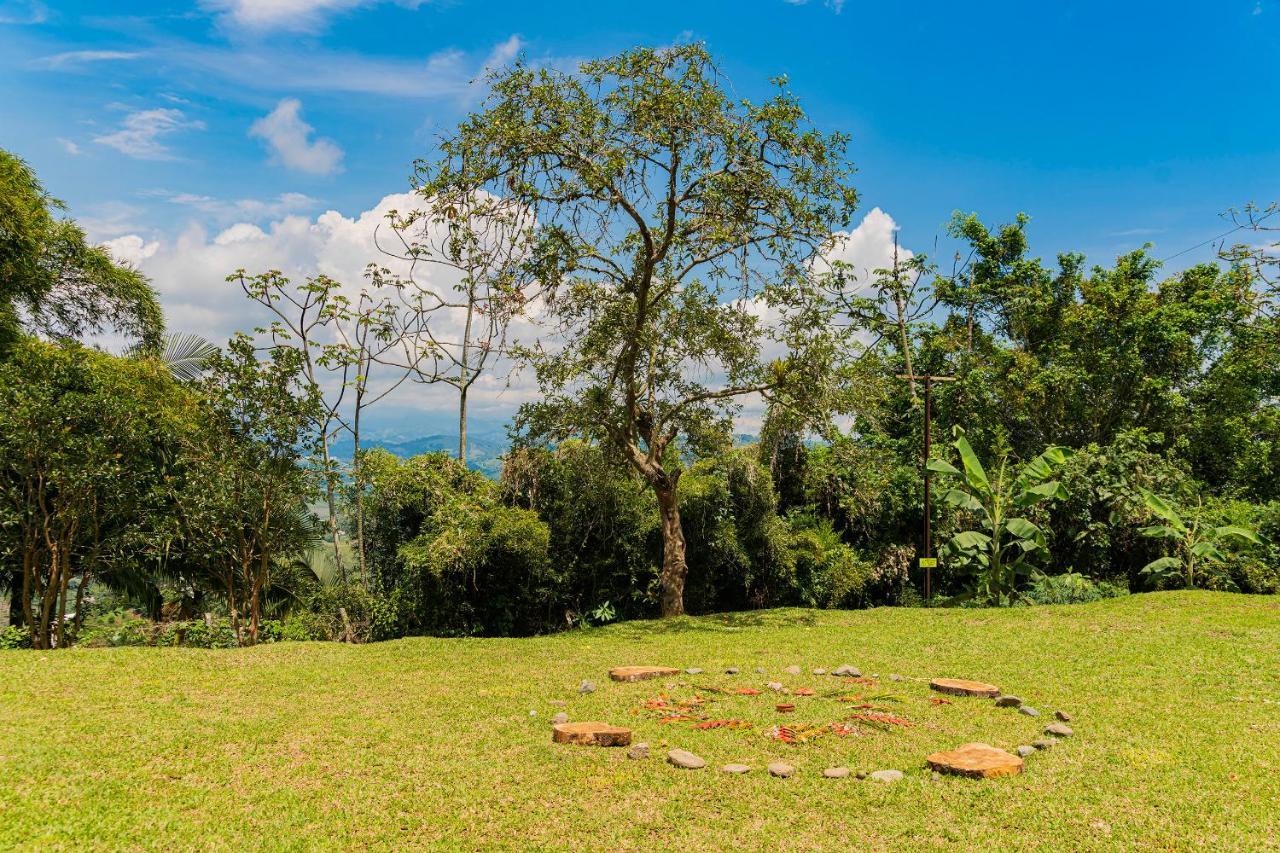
x,y
670,246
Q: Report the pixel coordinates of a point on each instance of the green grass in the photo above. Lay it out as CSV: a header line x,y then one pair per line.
x,y
427,742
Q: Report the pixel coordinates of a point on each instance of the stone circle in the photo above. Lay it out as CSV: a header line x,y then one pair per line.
x,y
1029,711
587,686
836,772
685,759
782,770
639,752
847,671
736,768
562,717
1063,716
886,776
1026,751
1008,702
792,670
1059,730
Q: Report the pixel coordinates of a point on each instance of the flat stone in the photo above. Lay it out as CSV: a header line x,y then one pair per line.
x,y
893,676
760,670
693,670
819,671
846,671
1029,711
1062,715
562,717
591,734
1008,702
640,673
961,687
559,703
977,761
774,685
733,670
1059,730
685,759
782,770
736,768
639,752
792,670
886,776
587,686
1026,751
836,772
1043,743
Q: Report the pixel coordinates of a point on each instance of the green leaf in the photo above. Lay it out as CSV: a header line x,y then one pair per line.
x,y
973,470
1238,533
1162,566
1160,531
971,540
1036,494
1207,550
943,467
1160,507
962,500
1025,529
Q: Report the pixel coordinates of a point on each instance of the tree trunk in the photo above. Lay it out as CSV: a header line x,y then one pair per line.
x,y
674,567
462,425
330,488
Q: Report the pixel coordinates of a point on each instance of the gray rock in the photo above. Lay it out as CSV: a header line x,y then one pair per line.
x,y
559,703
936,776
1059,730
1026,751
733,670
736,768
774,685
846,671
782,770
893,676
887,776
1029,711
1062,715
638,751
685,759
760,670
861,774
693,670
562,717
836,772
1043,743
819,671
586,687
792,670
1008,702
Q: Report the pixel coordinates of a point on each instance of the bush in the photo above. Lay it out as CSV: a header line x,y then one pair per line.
x,y
1069,588
15,637
828,573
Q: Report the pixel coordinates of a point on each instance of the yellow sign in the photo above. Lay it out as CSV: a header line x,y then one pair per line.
x,y
928,562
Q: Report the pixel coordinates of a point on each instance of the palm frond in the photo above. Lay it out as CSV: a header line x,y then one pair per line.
x,y
186,355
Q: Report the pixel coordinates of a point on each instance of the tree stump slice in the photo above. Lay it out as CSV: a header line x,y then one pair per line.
x,y
961,687
591,734
640,673
976,761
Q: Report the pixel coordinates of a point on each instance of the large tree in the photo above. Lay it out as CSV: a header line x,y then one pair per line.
x,y
52,281
676,232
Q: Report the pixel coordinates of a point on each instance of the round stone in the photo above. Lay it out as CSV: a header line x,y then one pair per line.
x,y
1043,743
693,670
781,769
685,759
792,670
836,772
1008,702
893,676
562,717
1026,751
846,671
976,760
963,687
586,686
638,752
1059,730
887,776
736,768
760,670
774,685
733,670
819,671
1029,711
1063,716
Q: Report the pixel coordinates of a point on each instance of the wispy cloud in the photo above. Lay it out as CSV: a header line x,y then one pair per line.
x,y
77,58
289,138
69,147
289,15
140,133
23,13
224,211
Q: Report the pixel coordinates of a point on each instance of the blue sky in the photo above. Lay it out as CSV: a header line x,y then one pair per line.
x,y
164,124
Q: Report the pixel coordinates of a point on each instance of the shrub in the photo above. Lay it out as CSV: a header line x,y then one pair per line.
x,y
15,637
828,573
1069,588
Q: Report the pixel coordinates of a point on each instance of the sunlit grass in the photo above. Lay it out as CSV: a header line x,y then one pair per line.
x,y
1175,699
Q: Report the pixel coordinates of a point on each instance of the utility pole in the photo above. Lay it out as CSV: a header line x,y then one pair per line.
x,y
927,561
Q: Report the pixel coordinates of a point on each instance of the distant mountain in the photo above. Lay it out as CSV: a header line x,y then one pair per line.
x,y
484,449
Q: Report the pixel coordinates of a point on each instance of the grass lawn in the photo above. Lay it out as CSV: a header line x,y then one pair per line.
x,y
1175,699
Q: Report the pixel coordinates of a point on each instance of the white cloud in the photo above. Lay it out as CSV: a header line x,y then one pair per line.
x,y
69,146
23,13
140,133
225,211
291,15
868,247
131,249
77,58
289,138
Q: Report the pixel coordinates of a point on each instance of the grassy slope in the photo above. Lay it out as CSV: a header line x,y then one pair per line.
x,y
1176,700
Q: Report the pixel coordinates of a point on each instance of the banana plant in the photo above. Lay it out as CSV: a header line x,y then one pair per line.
x,y
1001,547
1194,541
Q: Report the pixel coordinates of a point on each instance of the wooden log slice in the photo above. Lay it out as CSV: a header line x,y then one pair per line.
x,y
977,761
640,673
961,687
590,734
